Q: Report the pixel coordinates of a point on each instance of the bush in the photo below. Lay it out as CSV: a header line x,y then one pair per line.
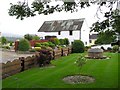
x,y
6,47
38,45
44,57
49,48
55,41
45,44
109,48
62,41
11,43
80,61
32,50
37,48
24,45
78,46
66,41
43,47
51,45
115,48
87,47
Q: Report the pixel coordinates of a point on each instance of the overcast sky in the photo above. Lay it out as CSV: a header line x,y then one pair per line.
x,y
31,25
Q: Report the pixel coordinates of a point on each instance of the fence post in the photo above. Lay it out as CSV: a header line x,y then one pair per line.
x,y
22,63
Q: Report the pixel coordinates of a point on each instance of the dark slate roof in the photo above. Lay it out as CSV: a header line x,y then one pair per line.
x,y
93,36
61,25
95,50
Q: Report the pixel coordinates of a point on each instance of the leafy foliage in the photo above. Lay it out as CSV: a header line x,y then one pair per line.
x,y
115,48
61,41
22,10
55,41
35,37
38,45
37,48
102,37
28,37
66,41
80,61
24,45
3,40
78,46
110,24
44,57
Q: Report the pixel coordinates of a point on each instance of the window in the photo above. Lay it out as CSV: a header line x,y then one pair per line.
x,y
59,33
70,33
90,41
85,43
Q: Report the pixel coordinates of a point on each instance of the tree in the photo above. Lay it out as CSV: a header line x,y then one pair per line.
x,y
28,37
110,24
3,40
105,38
22,9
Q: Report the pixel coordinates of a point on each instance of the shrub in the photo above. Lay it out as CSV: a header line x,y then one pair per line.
x,y
11,43
51,45
44,57
38,45
80,61
87,47
49,48
78,46
45,44
43,47
3,40
6,47
66,41
24,45
37,48
109,48
55,41
32,50
62,41
115,48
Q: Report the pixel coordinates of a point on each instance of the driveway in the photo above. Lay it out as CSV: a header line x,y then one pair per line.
x,y
11,55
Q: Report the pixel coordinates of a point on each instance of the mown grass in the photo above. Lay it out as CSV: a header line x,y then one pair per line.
x,y
104,71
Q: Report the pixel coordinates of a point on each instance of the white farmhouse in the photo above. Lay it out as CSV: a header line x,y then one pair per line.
x,y
73,29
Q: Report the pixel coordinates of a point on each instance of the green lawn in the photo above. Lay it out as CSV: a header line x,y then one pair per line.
x,y
104,71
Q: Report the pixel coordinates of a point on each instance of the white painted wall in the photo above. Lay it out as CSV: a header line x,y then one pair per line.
x,y
85,33
75,36
64,34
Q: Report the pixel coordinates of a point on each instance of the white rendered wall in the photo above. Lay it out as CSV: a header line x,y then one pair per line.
x,y
64,34
75,34
85,33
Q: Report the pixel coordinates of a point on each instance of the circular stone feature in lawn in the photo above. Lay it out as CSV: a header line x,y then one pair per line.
x,y
76,79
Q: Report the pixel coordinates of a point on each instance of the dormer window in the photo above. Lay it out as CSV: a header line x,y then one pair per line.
x,y
70,33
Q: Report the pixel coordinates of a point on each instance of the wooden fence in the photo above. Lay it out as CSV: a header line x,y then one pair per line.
x,y
21,64
11,68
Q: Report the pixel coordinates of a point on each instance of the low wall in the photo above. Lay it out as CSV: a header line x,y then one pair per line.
x,y
11,68
57,54
21,64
